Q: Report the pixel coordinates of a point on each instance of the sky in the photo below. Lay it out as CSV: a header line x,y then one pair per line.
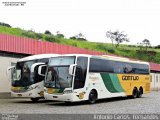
x,y
139,19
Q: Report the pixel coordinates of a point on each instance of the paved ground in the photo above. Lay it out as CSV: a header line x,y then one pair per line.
x,y
149,103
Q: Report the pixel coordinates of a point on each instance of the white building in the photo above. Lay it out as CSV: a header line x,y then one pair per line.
x,y
155,76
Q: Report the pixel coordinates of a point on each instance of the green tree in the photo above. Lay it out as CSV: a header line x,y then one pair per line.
x,y
73,38
79,36
146,43
60,35
5,24
47,32
117,36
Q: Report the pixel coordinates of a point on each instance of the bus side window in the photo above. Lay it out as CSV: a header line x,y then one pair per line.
x,y
118,67
79,74
81,70
38,78
127,68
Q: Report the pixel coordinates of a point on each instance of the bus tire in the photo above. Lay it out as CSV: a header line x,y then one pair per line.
x,y
92,96
140,92
35,99
135,93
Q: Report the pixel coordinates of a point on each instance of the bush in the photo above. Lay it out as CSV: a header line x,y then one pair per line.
x,y
50,38
60,35
38,36
73,38
29,34
47,32
5,24
111,50
81,39
157,47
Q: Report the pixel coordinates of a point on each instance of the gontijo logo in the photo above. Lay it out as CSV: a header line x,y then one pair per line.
x,y
125,77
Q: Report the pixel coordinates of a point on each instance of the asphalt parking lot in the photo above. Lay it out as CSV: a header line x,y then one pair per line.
x,y
149,103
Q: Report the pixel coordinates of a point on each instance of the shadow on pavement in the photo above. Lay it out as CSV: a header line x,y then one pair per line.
x,y
107,100
28,101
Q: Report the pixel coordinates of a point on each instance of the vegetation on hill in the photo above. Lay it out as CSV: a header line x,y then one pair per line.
x,y
131,51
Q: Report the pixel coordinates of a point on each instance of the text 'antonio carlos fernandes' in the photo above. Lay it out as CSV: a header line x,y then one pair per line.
x,y
126,117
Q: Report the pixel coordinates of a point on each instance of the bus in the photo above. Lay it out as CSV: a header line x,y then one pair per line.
x,y
72,78
25,80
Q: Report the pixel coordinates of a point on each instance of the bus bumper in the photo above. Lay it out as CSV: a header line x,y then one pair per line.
x,y
28,94
71,97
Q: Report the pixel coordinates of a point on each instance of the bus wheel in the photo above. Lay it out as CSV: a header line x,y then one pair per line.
x,y
140,92
34,99
92,96
135,93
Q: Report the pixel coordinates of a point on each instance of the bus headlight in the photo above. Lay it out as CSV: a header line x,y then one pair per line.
x,y
67,91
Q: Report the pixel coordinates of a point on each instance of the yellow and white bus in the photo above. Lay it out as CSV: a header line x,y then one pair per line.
x,y
80,77
25,80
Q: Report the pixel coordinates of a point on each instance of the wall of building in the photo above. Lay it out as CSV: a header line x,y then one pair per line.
x,y
5,62
155,81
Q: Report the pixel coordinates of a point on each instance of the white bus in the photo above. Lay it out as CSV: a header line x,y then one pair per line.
x,y
71,78
25,80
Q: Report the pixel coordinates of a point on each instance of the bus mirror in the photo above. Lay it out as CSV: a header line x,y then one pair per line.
x,y
7,72
9,68
42,70
34,65
71,69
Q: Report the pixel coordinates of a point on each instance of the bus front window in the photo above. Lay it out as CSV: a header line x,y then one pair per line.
x,y
58,72
58,77
21,75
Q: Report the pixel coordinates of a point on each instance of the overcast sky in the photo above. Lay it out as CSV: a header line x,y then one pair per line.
x,y
139,19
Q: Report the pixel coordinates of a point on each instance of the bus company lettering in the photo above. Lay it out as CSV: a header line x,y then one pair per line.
x,y
93,78
124,77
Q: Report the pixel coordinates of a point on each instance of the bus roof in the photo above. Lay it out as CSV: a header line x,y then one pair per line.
x,y
122,59
115,58
38,56
84,55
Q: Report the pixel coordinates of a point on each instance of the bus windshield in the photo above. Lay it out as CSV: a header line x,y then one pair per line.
x,y
21,75
58,72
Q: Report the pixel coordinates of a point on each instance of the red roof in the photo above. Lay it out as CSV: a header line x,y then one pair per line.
x,y
154,66
15,44
24,45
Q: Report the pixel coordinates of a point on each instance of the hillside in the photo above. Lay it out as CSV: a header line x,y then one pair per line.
x,y
152,55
